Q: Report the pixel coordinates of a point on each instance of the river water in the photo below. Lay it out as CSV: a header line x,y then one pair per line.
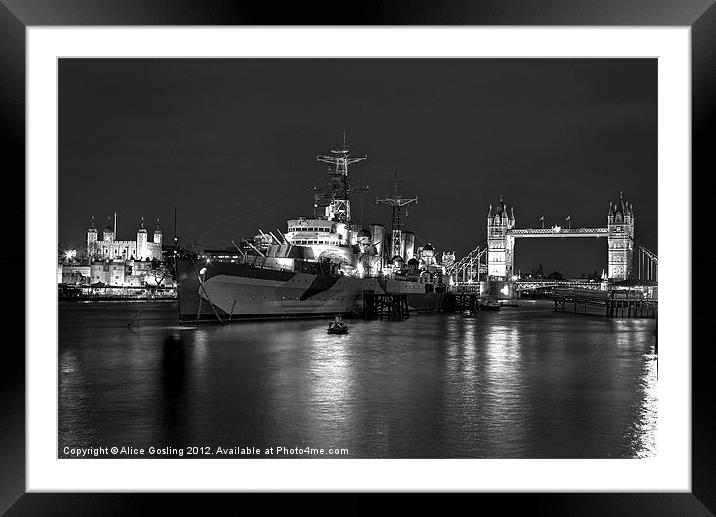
x,y
520,383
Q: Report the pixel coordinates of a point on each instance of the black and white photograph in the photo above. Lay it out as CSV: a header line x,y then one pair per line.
x,y
357,258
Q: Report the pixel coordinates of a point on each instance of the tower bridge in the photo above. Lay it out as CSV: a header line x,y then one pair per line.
x,y
498,250
558,231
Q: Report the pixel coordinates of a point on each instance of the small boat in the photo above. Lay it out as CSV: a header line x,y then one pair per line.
x,y
489,304
337,326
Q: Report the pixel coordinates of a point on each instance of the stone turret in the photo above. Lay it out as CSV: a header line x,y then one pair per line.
x,y
108,232
92,239
142,250
157,234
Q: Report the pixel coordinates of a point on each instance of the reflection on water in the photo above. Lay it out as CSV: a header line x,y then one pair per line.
x,y
519,383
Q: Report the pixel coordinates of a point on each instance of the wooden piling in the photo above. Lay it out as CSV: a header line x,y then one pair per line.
x,y
393,307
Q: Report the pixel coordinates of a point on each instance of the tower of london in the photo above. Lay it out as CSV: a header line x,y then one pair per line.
x,y
108,248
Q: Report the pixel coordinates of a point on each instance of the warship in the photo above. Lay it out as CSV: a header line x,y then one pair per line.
x,y
320,266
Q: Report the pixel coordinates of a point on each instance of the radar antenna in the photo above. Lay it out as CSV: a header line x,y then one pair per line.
x,y
336,198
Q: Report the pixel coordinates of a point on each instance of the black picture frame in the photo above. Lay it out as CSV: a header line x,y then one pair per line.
x,y
17,15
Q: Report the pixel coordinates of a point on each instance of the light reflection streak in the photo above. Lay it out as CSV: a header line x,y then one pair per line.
x,y
503,352
641,436
648,413
330,388
504,394
331,374
469,354
200,349
453,335
73,386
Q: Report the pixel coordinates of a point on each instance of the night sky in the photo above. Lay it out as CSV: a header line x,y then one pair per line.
x,y
235,141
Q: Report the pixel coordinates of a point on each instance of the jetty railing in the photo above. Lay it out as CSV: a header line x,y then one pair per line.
x,y
613,303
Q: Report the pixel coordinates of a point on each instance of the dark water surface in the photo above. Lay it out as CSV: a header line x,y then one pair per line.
x,y
520,383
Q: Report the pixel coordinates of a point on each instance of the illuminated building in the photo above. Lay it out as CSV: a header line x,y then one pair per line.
x,y
500,244
620,224
110,248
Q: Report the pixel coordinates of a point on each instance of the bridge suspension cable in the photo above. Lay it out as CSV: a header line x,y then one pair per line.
x,y
466,267
647,262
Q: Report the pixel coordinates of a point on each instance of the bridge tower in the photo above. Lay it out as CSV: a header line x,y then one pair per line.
x,y
500,245
620,223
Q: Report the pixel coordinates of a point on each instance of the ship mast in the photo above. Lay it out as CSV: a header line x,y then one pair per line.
x,y
396,200
338,207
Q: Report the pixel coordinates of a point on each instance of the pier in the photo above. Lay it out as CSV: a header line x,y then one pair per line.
x,y
613,303
392,307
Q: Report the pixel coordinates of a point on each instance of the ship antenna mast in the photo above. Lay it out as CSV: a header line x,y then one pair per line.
x,y
339,206
396,200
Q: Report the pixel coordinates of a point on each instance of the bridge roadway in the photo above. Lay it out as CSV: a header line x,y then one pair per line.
x,y
557,231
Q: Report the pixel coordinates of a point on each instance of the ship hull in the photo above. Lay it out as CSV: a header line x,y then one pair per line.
x,y
426,302
237,292
418,299
229,292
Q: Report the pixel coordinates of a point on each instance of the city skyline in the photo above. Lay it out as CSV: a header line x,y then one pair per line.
x,y
234,141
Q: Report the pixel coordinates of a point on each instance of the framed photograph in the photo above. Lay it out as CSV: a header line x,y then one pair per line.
x,y
416,253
